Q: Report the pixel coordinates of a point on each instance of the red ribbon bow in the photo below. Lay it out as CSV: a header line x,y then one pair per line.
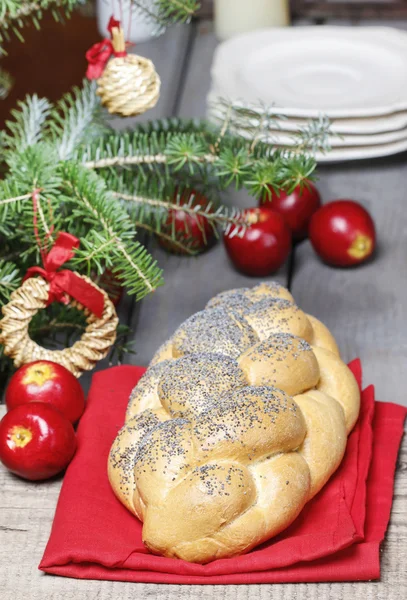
x,y
67,283
98,55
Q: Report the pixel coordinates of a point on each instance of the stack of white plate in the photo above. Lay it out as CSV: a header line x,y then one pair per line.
x,y
357,77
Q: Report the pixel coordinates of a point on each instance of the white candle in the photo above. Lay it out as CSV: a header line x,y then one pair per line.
x,y
237,16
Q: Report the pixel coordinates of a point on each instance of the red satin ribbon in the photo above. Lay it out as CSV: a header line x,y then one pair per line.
x,y
98,55
66,283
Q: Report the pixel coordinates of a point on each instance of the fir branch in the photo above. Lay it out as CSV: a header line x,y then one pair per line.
x,y
74,118
104,216
191,149
258,121
10,279
11,201
15,200
122,161
257,117
15,14
6,83
148,172
28,172
314,136
221,215
164,13
184,149
33,169
27,127
46,227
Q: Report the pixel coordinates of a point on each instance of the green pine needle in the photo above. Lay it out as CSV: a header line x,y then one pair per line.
x,y
15,14
26,129
10,280
164,13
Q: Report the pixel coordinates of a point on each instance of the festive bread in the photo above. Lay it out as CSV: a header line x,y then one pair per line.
x,y
241,418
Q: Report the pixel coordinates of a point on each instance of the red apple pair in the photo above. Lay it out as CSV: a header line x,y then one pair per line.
x,y
49,382
37,438
342,232
266,243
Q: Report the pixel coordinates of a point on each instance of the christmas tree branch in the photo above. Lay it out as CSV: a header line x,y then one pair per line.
x,y
104,216
43,220
220,215
118,242
6,83
99,249
14,14
10,279
27,127
16,199
124,161
105,188
166,12
74,118
258,122
194,148
14,10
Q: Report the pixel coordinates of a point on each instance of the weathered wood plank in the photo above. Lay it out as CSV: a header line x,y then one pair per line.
x,y
365,308
190,282
26,514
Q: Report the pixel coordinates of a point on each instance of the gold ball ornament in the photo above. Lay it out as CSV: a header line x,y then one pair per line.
x,y
129,84
32,296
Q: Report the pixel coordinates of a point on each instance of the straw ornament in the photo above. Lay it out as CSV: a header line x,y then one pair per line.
x,y
129,84
32,296
49,283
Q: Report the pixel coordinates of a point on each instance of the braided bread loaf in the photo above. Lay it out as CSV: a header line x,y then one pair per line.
x,y
241,418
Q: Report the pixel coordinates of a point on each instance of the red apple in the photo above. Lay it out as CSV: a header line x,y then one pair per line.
x,y
36,441
45,381
193,228
265,245
343,233
297,208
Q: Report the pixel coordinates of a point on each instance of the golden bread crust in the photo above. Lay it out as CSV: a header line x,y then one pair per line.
x,y
242,418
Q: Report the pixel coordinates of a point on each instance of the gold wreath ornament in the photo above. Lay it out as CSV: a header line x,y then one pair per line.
x,y
130,84
32,296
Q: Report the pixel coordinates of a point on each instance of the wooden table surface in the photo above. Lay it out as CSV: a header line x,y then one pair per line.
x,y
365,308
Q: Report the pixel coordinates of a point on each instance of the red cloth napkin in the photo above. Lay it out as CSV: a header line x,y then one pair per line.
x,y
335,538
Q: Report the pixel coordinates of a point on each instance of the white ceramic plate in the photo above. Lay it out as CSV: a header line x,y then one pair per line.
x,y
352,126
346,153
362,152
285,131
340,71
